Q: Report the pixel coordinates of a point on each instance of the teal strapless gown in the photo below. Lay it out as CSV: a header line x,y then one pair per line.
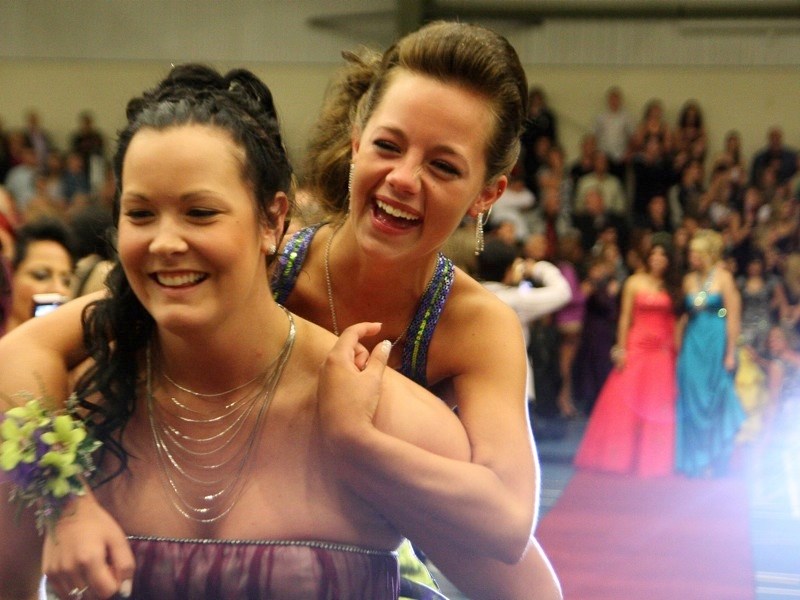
x,y
708,411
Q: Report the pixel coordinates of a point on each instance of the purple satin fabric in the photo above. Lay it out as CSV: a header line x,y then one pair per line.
x,y
169,569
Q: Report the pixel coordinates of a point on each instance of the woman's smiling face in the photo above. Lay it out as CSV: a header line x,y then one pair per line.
x,y
420,164
47,268
190,241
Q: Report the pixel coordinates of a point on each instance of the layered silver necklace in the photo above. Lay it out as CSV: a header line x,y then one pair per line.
x,y
329,285
202,454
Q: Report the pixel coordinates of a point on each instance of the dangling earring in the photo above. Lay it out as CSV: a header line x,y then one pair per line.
x,y
479,233
350,179
350,186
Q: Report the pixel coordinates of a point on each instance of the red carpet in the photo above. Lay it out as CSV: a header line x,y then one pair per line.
x,y
617,538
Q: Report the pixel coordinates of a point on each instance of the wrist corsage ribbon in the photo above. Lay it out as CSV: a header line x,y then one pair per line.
x,y
48,454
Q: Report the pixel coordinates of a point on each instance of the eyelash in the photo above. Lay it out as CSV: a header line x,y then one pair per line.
x,y
442,166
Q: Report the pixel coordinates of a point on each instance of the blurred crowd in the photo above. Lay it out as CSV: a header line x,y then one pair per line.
x,y
633,180
55,212
636,180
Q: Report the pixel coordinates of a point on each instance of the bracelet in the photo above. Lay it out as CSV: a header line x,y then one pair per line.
x,y
617,352
48,454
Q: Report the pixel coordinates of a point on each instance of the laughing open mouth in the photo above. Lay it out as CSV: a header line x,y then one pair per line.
x,y
394,216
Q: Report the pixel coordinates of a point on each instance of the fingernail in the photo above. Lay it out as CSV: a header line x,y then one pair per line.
x,y
386,347
126,588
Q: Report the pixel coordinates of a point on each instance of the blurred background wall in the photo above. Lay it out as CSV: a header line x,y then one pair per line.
x,y
738,58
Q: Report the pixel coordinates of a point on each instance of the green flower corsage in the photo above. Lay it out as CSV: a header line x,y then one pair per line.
x,y
48,455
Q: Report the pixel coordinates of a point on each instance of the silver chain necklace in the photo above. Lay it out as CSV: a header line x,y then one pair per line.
x,y
218,394
330,285
200,466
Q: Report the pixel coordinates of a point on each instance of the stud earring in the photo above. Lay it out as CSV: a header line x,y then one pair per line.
x,y
272,249
479,233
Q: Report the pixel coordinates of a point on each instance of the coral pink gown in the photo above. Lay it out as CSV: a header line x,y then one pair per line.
x,y
632,427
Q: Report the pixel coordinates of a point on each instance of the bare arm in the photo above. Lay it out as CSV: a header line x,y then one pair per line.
x,y
733,307
35,357
532,578
536,302
624,323
452,496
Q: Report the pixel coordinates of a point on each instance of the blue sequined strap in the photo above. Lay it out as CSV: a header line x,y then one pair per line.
x,y
290,262
420,330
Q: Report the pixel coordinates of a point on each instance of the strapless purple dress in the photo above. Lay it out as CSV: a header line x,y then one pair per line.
x,y
171,569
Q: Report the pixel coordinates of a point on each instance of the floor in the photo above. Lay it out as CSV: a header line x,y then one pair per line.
x,y
773,475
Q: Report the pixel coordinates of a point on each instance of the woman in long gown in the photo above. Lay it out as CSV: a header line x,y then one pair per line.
x,y
708,410
632,427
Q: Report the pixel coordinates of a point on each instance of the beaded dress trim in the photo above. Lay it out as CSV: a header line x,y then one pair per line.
x,y
334,546
420,329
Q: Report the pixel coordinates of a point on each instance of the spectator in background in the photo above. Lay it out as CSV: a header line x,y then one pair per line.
x,y
614,129
708,410
658,219
584,164
92,226
775,155
515,203
759,293
652,126
684,196
691,139
532,288
595,220
632,428
789,298
76,184
592,359
42,263
732,155
5,152
610,186
539,134
43,203
550,220
21,179
88,142
553,174
783,372
652,176
569,320
38,138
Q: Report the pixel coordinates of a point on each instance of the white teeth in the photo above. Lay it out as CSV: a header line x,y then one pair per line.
x,y
178,280
395,212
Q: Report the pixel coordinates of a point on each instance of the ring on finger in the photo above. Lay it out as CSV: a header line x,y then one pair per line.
x,y
77,592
